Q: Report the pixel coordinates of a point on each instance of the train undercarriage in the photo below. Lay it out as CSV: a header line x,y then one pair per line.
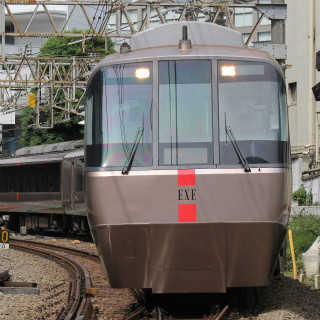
x,y
27,223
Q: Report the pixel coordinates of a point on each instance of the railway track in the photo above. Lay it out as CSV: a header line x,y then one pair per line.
x,y
184,307
79,305
96,294
159,314
102,302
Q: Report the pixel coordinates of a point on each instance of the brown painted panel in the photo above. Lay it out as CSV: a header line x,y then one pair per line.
x,y
252,250
125,251
188,258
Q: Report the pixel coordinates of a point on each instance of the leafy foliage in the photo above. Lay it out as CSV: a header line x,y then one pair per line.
x,y
302,197
60,46
305,230
68,131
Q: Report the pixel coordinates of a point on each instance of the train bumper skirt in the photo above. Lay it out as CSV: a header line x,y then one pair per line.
x,y
188,257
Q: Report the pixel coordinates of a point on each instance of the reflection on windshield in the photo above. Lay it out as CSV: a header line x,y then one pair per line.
x,y
126,107
252,101
185,112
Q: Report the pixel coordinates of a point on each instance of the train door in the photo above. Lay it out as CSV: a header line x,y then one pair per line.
x,y
66,185
78,203
78,186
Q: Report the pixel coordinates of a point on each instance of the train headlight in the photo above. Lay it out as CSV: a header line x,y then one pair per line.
x,y
228,71
142,73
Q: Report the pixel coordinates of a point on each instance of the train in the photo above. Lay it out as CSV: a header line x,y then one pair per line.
x,y
187,161
42,189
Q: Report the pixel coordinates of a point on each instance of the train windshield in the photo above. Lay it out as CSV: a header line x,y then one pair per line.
x,y
195,114
252,104
119,108
185,112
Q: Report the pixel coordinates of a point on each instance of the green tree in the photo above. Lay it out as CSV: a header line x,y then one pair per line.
x,y
60,46
71,130
32,136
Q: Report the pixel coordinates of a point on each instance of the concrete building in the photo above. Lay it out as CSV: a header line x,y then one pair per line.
x,y
40,23
303,41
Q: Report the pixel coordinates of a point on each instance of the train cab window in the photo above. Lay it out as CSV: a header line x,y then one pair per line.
x,y
185,112
119,116
252,105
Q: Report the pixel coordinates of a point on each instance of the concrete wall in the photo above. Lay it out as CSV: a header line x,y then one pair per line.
x,y
303,41
305,211
301,50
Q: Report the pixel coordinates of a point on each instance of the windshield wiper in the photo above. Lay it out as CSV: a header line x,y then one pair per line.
x,y
237,149
128,164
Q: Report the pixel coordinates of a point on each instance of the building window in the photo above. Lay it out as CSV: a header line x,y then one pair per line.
x,y
8,39
264,36
243,17
292,94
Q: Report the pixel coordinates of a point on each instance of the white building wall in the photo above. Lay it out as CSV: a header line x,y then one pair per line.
x,y
40,23
303,41
296,174
300,53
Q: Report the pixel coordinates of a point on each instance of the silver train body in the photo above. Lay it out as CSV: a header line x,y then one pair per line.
x,y
42,187
187,161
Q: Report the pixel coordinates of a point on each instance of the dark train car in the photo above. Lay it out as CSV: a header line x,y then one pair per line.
x,y
187,161
41,187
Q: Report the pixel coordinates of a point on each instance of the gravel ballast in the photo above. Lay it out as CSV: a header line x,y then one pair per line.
x,y
52,280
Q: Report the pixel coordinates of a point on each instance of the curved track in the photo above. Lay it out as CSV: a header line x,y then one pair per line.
x,y
79,302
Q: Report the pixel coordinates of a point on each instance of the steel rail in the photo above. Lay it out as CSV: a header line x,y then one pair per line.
x,y
55,246
223,314
136,314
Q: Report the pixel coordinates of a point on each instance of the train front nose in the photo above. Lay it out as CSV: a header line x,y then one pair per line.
x,y
148,241
166,258
190,258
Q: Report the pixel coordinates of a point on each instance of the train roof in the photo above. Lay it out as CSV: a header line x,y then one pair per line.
x,y
50,148
207,40
200,33
74,154
54,152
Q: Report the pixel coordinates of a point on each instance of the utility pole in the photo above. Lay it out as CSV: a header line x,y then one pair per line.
x,y
3,29
3,45
278,34
278,31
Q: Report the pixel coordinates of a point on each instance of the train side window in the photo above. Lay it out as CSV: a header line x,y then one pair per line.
x,y
3,180
94,111
11,180
18,183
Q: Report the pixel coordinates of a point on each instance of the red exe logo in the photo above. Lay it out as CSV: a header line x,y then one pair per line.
x,y
187,211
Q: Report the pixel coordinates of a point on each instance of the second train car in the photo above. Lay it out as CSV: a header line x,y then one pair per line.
x,y
187,161
41,189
